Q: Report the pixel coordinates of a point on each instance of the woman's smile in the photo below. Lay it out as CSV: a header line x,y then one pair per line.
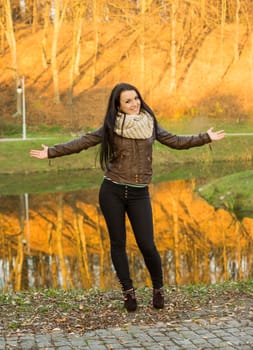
x,y
130,102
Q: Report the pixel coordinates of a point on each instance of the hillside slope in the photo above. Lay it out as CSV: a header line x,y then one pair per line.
x,y
209,79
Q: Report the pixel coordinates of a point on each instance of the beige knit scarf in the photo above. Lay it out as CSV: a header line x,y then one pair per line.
x,y
134,126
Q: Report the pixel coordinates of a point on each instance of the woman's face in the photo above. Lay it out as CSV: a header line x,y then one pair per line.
x,y
129,102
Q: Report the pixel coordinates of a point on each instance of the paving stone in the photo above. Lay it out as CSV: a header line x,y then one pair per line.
x,y
226,334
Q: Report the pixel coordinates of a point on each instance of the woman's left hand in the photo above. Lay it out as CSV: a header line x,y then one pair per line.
x,y
216,135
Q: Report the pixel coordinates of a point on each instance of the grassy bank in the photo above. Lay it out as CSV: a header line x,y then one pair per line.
x,y
15,158
232,193
34,175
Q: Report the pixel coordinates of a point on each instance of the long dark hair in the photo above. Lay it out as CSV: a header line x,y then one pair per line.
x,y
106,149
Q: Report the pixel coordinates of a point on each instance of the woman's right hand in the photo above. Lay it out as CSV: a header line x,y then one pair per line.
x,y
40,154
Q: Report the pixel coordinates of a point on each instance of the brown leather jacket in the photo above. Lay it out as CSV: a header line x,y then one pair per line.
x,y
132,161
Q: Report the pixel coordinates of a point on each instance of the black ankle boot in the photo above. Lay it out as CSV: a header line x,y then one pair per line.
x,y
158,298
130,300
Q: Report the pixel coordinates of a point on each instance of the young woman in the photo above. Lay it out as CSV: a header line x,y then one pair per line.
x,y
126,139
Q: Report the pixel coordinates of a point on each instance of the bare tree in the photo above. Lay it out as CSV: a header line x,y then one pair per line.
x,y
251,59
7,26
76,47
237,30
173,47
223,22
203,11
143,9
34,15
59,13
46,24
2,29
95,11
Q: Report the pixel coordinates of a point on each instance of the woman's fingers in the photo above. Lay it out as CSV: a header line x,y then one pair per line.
x,y
41,154
217,135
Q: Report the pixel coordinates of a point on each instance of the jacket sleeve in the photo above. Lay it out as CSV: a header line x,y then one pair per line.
x,y
181,142
86,141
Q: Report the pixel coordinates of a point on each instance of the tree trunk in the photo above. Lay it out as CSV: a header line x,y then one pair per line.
x,y
34,16
54,63
142,45
237,30
45,55
75,56
96,40
10,36
58,18
251,60
173,48
2,38
202,12
223,22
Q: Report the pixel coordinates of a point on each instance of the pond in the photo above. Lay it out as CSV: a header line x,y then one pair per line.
x,y
53,234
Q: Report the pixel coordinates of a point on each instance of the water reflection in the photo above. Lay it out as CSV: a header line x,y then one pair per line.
x,y
61,241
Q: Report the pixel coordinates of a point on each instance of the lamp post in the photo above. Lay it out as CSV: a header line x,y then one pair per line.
x,y
21,90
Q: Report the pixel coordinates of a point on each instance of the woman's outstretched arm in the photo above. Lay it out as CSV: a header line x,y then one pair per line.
x,y
84,142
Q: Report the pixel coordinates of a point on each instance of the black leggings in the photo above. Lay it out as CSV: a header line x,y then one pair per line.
x,y
115,201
